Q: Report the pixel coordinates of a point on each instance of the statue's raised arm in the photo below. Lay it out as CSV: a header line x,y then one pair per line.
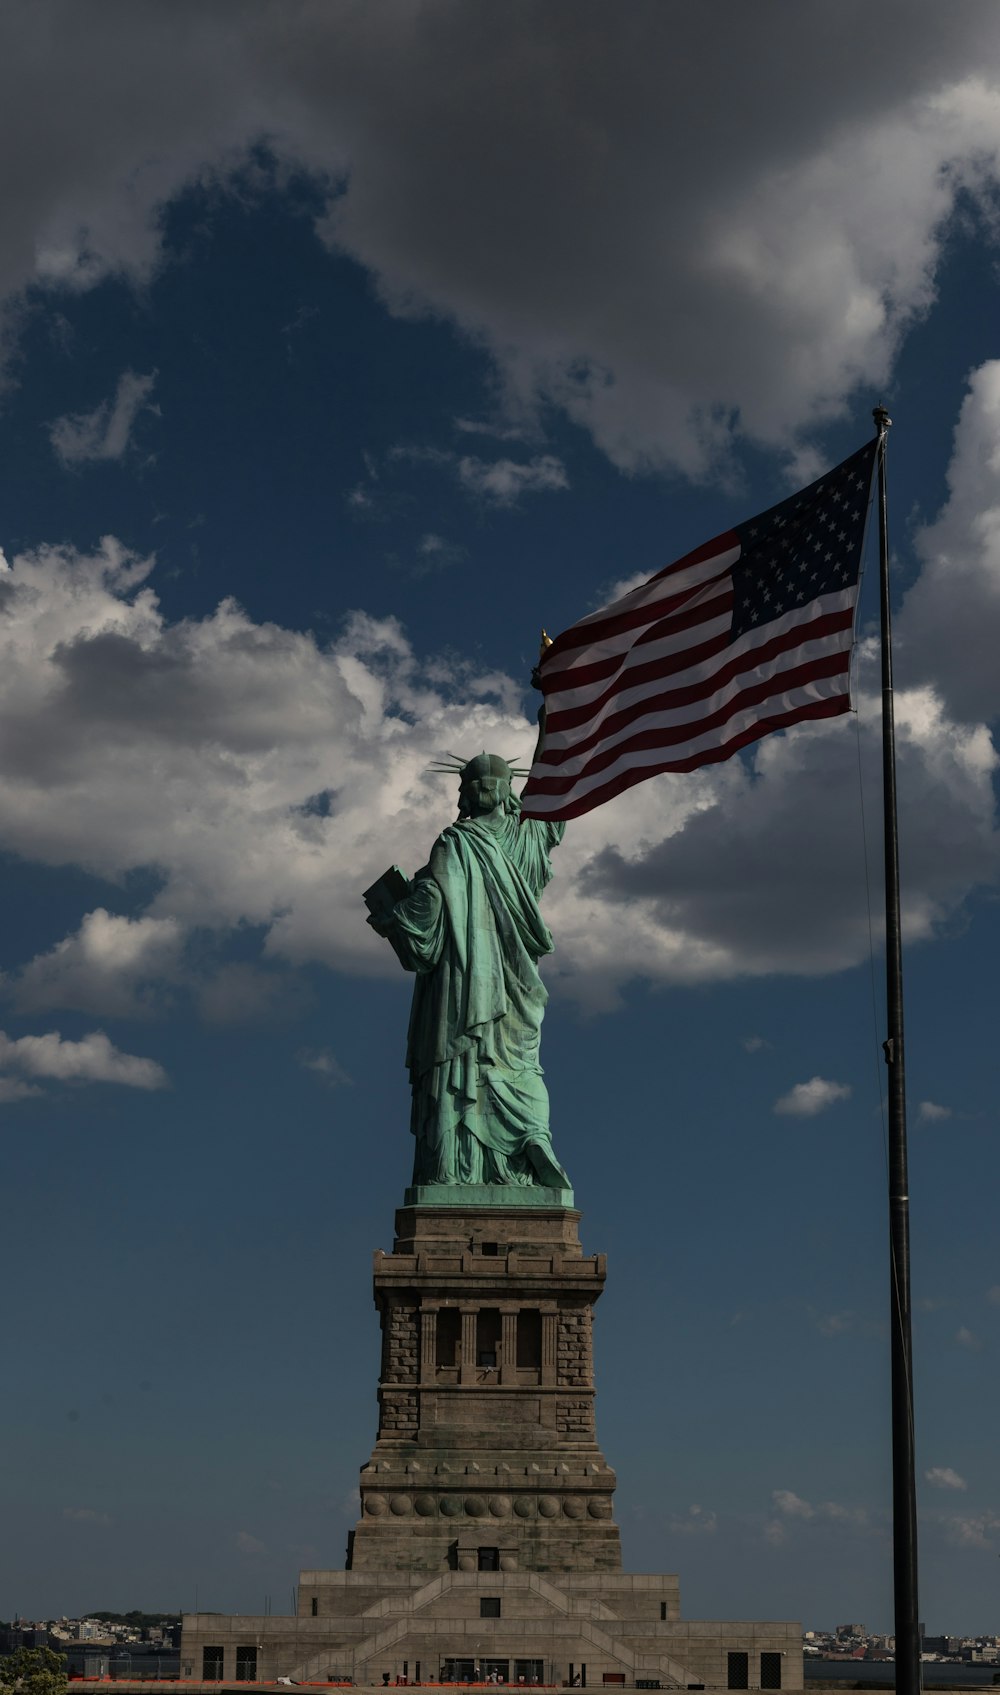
x,y
470,927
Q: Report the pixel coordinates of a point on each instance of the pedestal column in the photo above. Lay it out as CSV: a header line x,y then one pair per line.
x,y
428,1343
469,1318
508,1347
504,1456
550,1333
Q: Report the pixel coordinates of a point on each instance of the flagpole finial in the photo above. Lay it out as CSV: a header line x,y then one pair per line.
x,y
882,419
536,675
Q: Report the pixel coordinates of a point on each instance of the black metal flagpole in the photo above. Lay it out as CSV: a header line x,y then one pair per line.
x,y
904,1494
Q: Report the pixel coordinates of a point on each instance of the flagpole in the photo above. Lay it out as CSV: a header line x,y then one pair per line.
x,y
904,1496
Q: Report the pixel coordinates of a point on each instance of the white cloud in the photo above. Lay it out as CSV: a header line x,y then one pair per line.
x,y
436,553
503,481
836,1323
247,1544
973,1530
538,198
967,1338
710,880
805,1100
791,1505
695,1522
122,967
15,1089
790,1510
267,778
767,279
326,1067
94,1059
103,433
785,260
993,1295
110,966
499,429
930,1113
86,1515
943,1477
947,625
754,1044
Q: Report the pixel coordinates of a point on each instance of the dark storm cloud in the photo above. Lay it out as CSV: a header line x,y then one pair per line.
x,y
673,221
774,873
949,630
676,223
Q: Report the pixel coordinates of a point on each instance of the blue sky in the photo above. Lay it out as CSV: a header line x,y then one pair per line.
x,y
345,347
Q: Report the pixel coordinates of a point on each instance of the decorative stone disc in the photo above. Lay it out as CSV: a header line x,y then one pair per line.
x,y
401,1505
375,1504
548,1506
574,1507
475,1506
425,1505
451,1506
500,1506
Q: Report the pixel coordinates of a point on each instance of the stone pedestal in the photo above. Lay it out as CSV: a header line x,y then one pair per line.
x,y
486,1547
487,1455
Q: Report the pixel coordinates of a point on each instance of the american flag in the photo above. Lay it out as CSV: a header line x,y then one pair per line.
x,y
749,633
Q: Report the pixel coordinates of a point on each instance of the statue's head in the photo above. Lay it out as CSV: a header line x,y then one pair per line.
x,y
484,784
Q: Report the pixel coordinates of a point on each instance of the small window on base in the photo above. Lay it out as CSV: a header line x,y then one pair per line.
x,y
529,1339
211,1664
489,1606
246,1665
449,1336
770,1671
488,1330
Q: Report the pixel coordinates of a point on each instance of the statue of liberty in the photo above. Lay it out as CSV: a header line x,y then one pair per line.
x,y
470,928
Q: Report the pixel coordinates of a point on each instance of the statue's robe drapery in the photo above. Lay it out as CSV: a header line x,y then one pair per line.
x,y
471,930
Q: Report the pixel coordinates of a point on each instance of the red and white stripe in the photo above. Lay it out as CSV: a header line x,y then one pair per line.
x,y
653,683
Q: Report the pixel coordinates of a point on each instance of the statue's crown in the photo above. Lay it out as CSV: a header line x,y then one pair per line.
x,y
486,765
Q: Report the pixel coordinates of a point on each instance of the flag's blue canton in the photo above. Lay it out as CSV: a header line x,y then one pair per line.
x,y
808,546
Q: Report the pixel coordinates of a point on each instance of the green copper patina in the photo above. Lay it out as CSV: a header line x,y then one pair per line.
x,y
469,926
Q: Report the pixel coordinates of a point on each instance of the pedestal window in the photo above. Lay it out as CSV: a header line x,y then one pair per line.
x,y
529,1340
449,1336
212,1660
246,1665
770,1671
739,1671
488,1331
